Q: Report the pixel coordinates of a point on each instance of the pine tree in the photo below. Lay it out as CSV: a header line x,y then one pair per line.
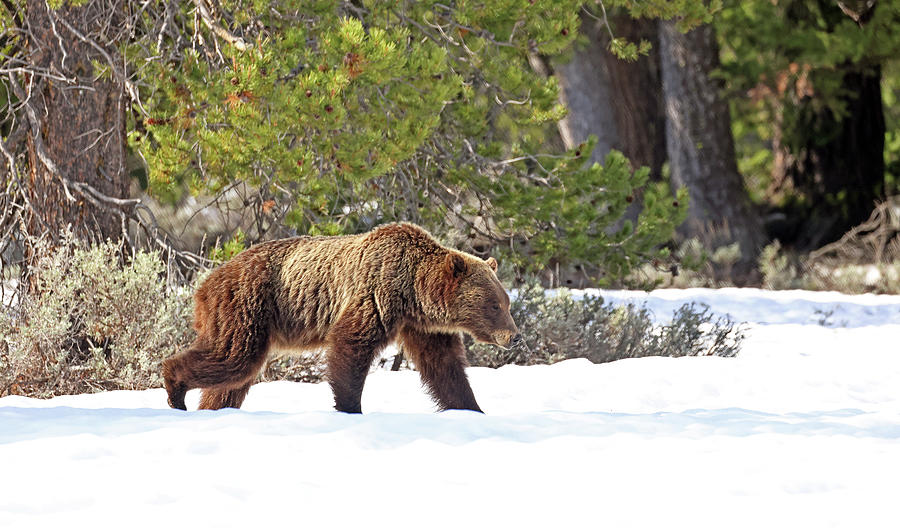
x,y
813,73
343,115
382,111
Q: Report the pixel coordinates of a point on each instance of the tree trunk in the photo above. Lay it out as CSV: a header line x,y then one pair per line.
x,y
586,92
78,127
637,95
701,148
618,101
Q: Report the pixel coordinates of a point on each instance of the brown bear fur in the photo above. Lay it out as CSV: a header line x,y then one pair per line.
x,y
352,295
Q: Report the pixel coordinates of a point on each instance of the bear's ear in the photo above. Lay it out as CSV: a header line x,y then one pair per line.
x,y
492,262
455,265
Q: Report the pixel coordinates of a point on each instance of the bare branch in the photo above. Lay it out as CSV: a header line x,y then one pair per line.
x,y
216,28
36,136
604,20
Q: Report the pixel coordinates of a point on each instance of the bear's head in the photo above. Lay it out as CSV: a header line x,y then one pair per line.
x,y
478,304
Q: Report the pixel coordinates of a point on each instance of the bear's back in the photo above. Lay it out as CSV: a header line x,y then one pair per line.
x,y
305,283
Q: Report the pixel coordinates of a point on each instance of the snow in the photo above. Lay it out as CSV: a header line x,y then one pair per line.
x,y
8,292
801,429
770,307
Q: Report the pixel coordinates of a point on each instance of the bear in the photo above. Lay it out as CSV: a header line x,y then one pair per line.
x,y
351,295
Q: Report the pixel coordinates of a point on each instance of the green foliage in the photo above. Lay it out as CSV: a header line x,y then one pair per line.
x,y
891,100
687,13
629,51
779,272
354,116
250,120
229,249
57,4
329,105
557,326
790,49
584,207
91,323
784,62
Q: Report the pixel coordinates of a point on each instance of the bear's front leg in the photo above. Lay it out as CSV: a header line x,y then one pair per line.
x,y
354,342
441,362
348,365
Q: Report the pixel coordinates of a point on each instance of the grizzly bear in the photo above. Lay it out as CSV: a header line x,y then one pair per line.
x,y
351,295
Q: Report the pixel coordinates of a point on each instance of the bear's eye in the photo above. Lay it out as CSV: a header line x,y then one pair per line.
x,y
495,307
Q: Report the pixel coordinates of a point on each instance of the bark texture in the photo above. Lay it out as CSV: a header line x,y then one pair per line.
x,y
636,95
586,91
701,148
77,125
618,101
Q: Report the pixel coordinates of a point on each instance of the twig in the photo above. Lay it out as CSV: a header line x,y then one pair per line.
x,y
220,31
604,20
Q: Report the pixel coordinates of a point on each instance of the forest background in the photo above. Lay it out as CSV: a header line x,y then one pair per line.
x,y
614,143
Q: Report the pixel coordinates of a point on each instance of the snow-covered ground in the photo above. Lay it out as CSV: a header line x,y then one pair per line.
x,y
801,429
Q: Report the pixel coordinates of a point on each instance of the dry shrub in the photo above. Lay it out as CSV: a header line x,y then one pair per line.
x,y
558,326
307,367
875,241
692,265
94,319
865,259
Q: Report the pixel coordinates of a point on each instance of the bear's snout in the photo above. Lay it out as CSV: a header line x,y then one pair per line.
x,y
506,338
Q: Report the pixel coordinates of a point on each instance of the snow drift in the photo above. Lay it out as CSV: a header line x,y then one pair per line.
x,y
801,429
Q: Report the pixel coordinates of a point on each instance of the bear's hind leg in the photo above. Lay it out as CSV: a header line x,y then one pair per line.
x,y
178,376
441,362
201,367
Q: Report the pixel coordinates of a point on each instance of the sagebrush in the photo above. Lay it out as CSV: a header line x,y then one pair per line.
x,y
92,318
557,326
96,318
